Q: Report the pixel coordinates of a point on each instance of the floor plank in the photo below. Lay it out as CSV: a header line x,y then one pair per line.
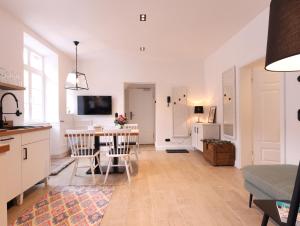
x,y
166,190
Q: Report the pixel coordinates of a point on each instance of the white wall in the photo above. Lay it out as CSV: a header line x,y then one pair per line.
x,y
11,58
107,74
243,48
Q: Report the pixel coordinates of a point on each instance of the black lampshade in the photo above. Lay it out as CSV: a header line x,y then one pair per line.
x,y
283,48
198,110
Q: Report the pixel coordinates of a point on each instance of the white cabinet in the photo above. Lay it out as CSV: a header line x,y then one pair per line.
x,y
35,157
10,163
202,131
26,163
35,166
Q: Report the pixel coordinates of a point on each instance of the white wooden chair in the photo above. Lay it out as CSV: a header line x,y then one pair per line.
x,y
118,148
134,139
82,143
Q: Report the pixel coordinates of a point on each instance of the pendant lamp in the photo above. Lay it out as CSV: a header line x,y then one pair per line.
x,y
76,80
283,47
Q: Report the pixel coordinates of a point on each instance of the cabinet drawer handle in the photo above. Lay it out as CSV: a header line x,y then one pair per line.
x,y
25,154
6,139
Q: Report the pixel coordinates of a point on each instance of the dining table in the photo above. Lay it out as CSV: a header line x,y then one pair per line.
x,y
99,144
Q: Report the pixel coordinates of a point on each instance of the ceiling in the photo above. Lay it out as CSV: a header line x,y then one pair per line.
x,y
174,28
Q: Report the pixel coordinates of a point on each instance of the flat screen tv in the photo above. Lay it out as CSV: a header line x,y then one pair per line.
x,y
94,105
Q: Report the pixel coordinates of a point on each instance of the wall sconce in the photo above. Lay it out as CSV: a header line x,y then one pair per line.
x,y
168,100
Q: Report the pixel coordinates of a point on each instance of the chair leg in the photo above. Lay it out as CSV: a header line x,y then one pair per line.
x,y
136,153
265,220
138,145
99,165
93,170
127,170
74,170
107,170
250,200
130,164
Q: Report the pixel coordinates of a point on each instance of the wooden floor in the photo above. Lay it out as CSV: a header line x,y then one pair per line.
x,y
167,190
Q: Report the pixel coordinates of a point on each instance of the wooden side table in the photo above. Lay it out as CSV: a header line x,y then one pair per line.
x,y
219,153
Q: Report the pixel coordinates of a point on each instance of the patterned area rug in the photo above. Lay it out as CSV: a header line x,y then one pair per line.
x,y
65,206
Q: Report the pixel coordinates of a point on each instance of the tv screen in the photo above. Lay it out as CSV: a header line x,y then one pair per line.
x,y
94,105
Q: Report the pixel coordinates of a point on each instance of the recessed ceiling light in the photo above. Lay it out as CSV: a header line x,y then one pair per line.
x,y
142,48
143,17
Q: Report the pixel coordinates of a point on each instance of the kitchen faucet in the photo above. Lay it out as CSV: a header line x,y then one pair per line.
x,y
17,113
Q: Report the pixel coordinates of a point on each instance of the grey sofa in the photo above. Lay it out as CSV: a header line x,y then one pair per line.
x,y
274,182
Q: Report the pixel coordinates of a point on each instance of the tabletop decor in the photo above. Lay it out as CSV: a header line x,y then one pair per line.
x,y
120,121
70,205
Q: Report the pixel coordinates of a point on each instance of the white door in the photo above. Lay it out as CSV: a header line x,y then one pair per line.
x,y
266,117
141,108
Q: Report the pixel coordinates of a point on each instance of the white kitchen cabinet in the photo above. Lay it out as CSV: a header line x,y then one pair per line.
x,y
25,163
35,163
10,163
202,131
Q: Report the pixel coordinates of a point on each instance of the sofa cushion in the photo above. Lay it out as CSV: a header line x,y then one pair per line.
x,y
275,180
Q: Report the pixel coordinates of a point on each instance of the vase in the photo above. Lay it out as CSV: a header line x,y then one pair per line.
x,y
119,126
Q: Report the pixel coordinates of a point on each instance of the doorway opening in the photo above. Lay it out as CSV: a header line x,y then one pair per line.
x,y
140,109
261,115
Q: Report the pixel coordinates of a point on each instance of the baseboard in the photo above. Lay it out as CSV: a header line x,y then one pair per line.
x,y
164,147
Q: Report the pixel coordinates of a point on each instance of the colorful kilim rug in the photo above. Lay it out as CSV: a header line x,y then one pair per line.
x,y
71,205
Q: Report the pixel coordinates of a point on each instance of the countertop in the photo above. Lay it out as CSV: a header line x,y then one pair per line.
x,y
9,132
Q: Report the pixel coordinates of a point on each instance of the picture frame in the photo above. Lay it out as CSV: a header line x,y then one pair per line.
x,y
212,114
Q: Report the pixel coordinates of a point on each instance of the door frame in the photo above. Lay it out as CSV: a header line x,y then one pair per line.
x,y
141,85
246,119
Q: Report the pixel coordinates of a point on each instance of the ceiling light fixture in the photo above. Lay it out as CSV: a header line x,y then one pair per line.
x,y
143,17
142,48
76,80
283,48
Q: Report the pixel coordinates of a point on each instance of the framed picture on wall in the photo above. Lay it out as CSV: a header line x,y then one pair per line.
x,y
212,114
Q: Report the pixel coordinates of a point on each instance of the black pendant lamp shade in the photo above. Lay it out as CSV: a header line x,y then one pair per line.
x,y
283,48
76,80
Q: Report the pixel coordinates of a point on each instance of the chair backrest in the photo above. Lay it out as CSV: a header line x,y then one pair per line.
x,y
82,142
295,201
117,141
131,126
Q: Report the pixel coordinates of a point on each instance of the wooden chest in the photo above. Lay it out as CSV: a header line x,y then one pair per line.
x,y
219,153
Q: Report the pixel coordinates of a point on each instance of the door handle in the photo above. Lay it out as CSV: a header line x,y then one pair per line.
x,y
130,115
25,157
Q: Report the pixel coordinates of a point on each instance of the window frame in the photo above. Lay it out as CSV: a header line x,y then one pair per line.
x,y
31,70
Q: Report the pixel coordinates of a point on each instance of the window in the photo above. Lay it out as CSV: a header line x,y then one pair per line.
x,y
41,80
34,82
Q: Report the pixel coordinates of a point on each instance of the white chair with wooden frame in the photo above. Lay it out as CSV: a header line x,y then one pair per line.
x,y
82,143
134,140
118,147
